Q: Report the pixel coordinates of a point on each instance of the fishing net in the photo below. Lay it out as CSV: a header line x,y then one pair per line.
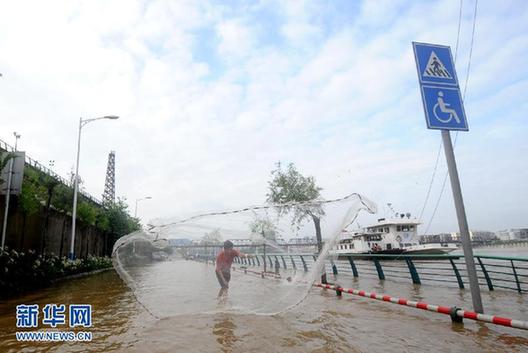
x,y
170,267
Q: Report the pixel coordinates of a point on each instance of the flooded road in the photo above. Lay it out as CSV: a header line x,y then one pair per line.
x,y
321,323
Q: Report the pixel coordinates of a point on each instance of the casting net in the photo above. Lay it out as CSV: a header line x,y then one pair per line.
x,y
170,267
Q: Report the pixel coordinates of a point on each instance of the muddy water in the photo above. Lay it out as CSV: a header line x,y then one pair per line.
x,y
321,323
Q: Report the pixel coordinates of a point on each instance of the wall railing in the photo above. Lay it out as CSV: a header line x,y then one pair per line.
x,y
42,168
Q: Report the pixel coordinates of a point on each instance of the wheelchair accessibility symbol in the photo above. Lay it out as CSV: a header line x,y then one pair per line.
x,y
444,108
442,111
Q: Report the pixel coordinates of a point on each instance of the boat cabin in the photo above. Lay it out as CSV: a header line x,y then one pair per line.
x,y
387,235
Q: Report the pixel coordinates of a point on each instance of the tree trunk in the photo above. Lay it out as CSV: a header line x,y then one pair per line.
x,y
318,236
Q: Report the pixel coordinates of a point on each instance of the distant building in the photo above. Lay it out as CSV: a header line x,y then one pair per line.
x,y
513,234
280,241
302,240
476,235
437,238
238,242
180,242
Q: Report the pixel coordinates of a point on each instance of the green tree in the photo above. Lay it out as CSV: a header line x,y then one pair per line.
x,y
63,198
264,227
213,237
119,221
49,184
86,213
289,186
28,204
5,157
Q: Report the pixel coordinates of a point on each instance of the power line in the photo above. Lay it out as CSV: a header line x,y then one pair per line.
x,y
458,32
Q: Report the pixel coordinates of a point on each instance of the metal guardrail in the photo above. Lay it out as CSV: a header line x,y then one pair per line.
x,y
510,273
34,163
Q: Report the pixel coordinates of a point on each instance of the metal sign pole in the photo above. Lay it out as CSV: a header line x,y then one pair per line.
x,y
462,222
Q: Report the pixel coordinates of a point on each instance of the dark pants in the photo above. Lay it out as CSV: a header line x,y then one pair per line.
x,y
227,277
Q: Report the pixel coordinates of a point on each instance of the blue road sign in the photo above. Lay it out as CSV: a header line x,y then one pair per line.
x,y
434,64
441,98
443,108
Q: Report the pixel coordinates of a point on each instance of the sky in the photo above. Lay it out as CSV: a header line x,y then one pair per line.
x,y
212,94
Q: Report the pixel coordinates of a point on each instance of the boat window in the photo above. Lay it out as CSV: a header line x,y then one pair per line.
x,y
398,228
389,246
405,228
411,227
386,229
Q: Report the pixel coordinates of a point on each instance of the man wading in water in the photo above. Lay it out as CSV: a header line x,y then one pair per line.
x,y
223,266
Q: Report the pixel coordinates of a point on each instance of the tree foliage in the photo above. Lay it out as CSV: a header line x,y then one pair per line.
x,y
119,221
86,213
4,159
294,193
28,199
212,237
38,188
264,227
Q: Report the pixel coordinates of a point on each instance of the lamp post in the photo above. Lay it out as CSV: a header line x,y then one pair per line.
x,y
82,123
137,200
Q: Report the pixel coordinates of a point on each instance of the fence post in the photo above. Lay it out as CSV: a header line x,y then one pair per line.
x,y
293,262
264,259
457,274
283,262
381,275
412,270
353,265
486,276
516,278
304,263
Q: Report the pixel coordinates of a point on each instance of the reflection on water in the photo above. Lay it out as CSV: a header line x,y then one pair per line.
x,y
224,330
322,323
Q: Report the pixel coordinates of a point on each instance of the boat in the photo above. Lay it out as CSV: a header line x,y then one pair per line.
x,y
393,236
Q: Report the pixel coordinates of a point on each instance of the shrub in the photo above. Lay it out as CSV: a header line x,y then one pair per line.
x,y
25,271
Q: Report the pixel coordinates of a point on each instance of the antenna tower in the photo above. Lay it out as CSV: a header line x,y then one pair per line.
x,y
109,190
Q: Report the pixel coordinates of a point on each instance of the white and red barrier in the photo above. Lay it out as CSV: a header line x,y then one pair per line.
x,y
456,314
453,312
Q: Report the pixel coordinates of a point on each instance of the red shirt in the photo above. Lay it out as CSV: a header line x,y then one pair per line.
x,y
225,259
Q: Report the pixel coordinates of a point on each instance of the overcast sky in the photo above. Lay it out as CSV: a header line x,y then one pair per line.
x,y
212,94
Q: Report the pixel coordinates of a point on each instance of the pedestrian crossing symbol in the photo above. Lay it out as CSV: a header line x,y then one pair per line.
x,y
435,64
435,68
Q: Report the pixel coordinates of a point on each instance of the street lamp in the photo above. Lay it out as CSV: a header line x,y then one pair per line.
x,y
17,136
82,123
141,199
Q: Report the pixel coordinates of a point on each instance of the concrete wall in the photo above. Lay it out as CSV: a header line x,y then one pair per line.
x,y
88,239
